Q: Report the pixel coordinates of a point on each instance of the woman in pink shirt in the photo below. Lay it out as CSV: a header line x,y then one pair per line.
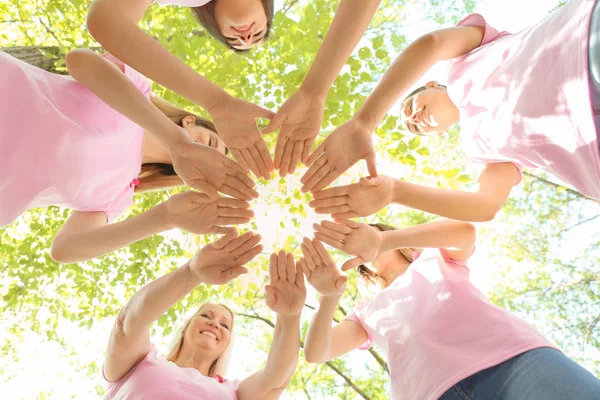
x,y
241,25
523,99
198,359
441,337
90,140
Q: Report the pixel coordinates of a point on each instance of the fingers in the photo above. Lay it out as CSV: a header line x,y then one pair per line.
x,y
332,210
331,176
305,270
226,202
237,242
249,255
266,158
310,253
246,246
234,186
275,122
256,153
296,154
329,202
279,147
299,276
316,154
314,168
353,263
348,223
273,273
371,165
281,267
323,254
231,220
308,143
286,158
235,212
334,234
340,283
237,154
290,270
341,215
221,229
234,272
330,241
225,240
271,296
207,188
235,167
263,112
331,192
251,161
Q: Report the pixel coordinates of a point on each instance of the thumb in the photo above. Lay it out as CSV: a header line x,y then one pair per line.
x,y
340,283
224,241
207,188
371,165
353,263
275,123
270,295
262,112
370,181
234,272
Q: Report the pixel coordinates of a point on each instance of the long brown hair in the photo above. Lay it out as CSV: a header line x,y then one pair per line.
x,y
221,364
158,176
373,278
206,17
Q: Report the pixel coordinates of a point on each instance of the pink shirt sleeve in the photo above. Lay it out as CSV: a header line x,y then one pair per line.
x,y
490,33
139,80
354,318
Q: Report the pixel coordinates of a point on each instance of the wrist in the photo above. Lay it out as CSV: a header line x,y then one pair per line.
x,y
221,98
367,119
383,243
313,90
195,277
289,319
398,191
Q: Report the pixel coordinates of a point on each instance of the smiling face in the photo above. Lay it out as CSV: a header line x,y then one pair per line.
x,y
429,111
243,23
210,329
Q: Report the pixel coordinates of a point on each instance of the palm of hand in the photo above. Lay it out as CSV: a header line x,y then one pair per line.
x,y
236,124
366,200
290,297
303,117
324,277
193,165
348,144
362,242
212,263
193,212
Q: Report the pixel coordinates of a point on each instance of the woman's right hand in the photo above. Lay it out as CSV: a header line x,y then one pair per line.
x,y
197,213
352,238
320,270
223,260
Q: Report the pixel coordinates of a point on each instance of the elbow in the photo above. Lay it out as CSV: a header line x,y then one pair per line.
x,y
311,357
75,59
488,211
59,252
468,233
428,41
95,21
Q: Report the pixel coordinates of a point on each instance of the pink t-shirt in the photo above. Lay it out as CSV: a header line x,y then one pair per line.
x,y
183,3
62,145
524,98
435,328
155,378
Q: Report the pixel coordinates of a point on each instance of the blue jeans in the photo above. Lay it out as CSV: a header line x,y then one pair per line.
x,y
540,374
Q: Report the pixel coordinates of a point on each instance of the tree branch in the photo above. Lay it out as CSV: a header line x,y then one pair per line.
x,y
328,363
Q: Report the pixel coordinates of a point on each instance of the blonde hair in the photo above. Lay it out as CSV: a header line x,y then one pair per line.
x,y
159,176
371,277
221,364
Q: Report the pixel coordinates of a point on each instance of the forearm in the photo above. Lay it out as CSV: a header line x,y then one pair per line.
x,y
283,354
408,67
448,234
87,244
318,337
113,87
453,204
349,24
154,299
121,37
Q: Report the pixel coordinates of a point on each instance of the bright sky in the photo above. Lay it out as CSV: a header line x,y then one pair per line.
x,y
42,364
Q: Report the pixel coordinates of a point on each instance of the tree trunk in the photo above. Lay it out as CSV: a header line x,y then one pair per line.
x,y
48,58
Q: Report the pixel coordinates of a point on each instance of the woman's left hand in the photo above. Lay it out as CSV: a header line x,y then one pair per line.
x,y
286,292
235,120
300,120
223,260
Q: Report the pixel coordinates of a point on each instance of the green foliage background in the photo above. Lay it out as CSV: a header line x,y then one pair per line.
x,y
542,251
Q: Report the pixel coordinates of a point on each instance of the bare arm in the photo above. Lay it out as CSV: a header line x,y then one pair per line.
x,y
349,24
86,235
495,183
324,342
130,338
412,64
113,23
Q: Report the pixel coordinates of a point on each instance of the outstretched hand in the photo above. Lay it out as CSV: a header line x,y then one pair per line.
x,y
299,120
338,152
223,260
235,120
286,292
211,172
353,238
360,199
320,270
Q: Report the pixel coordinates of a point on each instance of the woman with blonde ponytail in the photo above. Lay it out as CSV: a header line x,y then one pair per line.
x,y
440,336
91,140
